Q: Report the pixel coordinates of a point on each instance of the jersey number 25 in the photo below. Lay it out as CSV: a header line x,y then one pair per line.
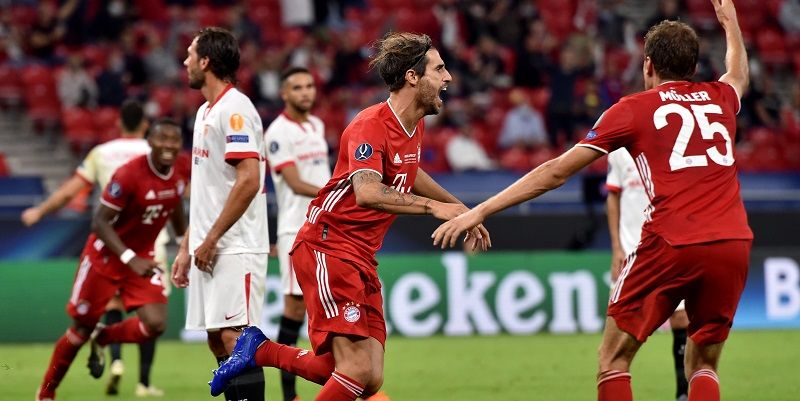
x,y
677,160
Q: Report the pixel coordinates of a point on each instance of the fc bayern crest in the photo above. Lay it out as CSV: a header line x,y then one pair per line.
x,y
363,152
352,314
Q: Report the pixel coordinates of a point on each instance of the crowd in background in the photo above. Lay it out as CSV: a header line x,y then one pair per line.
x,y
530,77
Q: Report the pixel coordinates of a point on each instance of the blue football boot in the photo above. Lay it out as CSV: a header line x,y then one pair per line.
x,y
241,359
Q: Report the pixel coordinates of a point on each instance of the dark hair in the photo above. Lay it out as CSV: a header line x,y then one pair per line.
x,y
399,52
293,70
222,50
673,48
166,121
131,114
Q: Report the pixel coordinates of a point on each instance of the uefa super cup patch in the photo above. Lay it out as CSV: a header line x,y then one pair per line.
x,y
237,122
237,139
591,135
363,152
114,189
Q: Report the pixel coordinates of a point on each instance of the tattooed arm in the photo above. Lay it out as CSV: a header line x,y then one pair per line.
x,y
372,193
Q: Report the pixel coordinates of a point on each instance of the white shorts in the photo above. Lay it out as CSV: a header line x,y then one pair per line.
x,y
288,279
233,296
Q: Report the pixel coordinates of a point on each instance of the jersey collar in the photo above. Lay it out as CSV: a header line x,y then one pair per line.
x,y
224,91
410,135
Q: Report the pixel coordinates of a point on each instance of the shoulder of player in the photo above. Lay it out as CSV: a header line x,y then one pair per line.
x,y
235,102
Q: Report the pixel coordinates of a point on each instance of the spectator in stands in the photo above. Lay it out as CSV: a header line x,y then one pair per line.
x,y
346,62
532,56
667,10
160,63
465,153
522,124
488,63
267,80
563,77
761,104
75,87
46,33
111,19
134,65
241,26
112,80
789,16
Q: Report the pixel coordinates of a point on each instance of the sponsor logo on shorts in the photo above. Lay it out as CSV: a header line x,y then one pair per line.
x,y
352,314
229,317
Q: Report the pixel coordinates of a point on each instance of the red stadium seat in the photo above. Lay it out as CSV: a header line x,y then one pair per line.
x,y
163,95
702,13
78,124
5,171
106,124
41,97
771,46
10,86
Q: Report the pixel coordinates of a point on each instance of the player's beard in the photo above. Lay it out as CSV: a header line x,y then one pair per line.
x,y
428,97
196,81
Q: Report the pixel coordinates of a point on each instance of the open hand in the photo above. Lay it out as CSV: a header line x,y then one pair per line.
x,y
726,12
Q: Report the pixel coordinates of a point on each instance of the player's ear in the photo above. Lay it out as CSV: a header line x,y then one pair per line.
x,y
203,63
648,67
412,77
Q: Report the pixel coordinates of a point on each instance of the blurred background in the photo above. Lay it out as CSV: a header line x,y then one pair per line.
x,y
529,79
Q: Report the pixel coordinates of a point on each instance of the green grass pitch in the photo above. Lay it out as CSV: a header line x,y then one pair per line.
x,y
756,365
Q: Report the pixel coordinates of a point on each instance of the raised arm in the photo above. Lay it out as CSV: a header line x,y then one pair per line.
x,y
737,71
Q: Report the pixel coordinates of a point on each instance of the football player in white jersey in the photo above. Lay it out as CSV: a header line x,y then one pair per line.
x,y
298,157
223,259
626,203
95,171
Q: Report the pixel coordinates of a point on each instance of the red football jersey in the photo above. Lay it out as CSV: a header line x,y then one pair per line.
x,y
681,135
145,200
375,140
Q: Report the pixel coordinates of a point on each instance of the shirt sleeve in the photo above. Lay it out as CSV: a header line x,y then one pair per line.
x,y
613,130
366,147
240,135
730,96
119,191
87,170
614,176
280,152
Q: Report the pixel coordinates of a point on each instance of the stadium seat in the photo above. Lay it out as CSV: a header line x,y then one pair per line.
x,y
106,124
702,13
79,129
5,171
41,97
10,86
771,46
162,95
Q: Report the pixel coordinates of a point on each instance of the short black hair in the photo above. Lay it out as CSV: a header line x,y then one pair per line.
x,y
131,114
222,50
165,121
293,70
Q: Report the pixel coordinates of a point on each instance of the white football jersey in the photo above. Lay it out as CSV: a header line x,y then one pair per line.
x,y
224,131
104,159
623,177
303,145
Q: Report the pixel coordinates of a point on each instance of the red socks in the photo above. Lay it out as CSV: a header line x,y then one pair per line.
x,y
130,330
64,353
340,388
614,385
704,386
301,362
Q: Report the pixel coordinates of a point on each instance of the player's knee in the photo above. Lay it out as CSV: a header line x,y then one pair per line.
x,y
156,328
374,385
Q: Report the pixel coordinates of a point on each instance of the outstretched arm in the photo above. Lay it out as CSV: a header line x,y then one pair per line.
x,y
548,176
737,71
55,201
372,193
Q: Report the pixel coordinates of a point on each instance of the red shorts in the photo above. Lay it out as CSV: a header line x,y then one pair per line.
x,y
657,276
340,298
92,290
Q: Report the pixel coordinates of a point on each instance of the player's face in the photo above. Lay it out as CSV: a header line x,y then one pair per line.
x,y
433,83
165,143
193,67
299,92
647,73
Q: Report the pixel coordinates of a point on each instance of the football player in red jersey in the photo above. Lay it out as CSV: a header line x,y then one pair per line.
x,y
696,241
118,257
377,177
